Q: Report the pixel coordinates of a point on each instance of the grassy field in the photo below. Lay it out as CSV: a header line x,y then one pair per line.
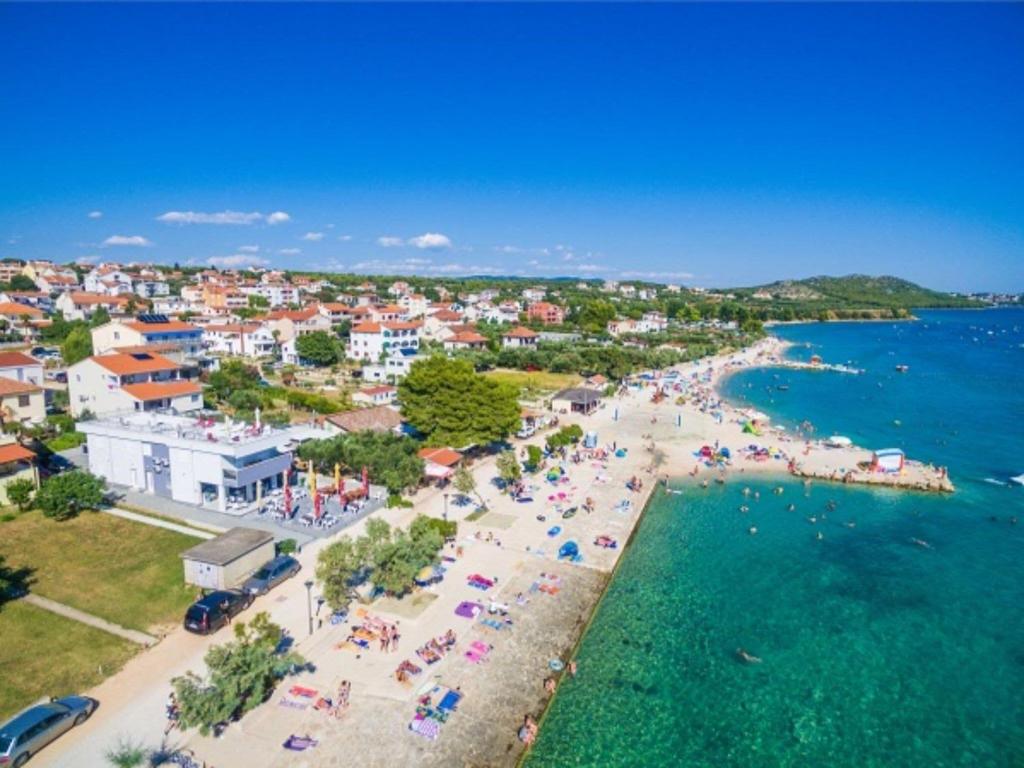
x,y
42,654
126,572
535,382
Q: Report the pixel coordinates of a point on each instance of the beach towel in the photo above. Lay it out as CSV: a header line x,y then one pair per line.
x,y
468,610
290,704
302,692
428,727
450,701
299,743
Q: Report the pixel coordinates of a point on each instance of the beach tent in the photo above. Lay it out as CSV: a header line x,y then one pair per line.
x,y
887,460
569,550
838,441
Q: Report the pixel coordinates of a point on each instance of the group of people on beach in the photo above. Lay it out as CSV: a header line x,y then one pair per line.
x,y
389,637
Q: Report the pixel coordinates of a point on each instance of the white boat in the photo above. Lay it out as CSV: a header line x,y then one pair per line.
x,y
1018,480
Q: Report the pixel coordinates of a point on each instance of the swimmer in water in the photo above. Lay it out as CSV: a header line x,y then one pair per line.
x,y
812,520
791,508
748,658
746,491
820,536
922,543
850,524
744,509
753,530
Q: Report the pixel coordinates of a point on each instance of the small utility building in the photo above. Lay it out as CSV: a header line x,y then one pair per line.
x,y
229,559
576,400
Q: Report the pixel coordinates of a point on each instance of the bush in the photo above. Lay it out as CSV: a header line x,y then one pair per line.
x,y
64,496
395,501
287,546
20,492
65,440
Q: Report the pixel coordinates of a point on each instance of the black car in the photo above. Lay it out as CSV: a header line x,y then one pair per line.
x,y
213,611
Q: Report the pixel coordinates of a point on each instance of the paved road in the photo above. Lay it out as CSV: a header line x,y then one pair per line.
x,y
87,618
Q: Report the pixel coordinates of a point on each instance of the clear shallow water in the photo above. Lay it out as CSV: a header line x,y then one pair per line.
x,y
876,652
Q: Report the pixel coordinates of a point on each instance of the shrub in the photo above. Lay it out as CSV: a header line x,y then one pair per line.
x,y
20,492
64,496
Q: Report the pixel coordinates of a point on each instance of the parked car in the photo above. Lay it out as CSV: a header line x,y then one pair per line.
x,y
34,728
55,464
213,611
271,574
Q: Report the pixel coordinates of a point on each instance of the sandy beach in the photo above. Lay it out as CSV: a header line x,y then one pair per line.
x,y
548,601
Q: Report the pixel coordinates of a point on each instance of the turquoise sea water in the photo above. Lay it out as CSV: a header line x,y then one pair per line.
x,y
875,651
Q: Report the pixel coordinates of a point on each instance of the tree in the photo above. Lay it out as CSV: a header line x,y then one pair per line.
x,y
465,483
256,301
337,569
318,348
508,466
64,496
595,315
20,492
241,675
450,404
100,316
22,283
77,346
390,459
534,456
233,375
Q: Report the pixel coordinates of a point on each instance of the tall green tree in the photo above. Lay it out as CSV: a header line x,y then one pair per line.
x,y
77,346
508,465
465,483
240,676
391,460
319,348
450,404
63,496
99,317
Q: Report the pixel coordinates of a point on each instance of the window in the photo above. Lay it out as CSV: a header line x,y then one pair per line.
x,y
23,401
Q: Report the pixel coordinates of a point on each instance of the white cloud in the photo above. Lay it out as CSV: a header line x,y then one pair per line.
x,y
236,260
248,249
313,237
386,241
95,214
234,218
591,268
431,241
135,240
656,276
290,251
344,238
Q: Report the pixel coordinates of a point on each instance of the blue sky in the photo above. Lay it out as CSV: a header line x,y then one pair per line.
x,y
713,145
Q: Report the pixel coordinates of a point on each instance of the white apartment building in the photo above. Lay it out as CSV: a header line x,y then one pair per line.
x,y
277,294
126,382
18,366
368,341
219,466
250,340
394,367
148,330
80,305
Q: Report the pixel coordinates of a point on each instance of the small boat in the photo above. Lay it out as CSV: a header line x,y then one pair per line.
x,y
902,368
570,512
783,387
1018,480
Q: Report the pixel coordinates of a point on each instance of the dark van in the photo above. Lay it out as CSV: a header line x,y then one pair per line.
x,y
213,611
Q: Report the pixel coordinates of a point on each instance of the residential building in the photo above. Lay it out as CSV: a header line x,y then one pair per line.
x,y
546,313
368,341
18,366
221,466
394,366
57,282
291,324
380,418
22,402
520,337
123,382
223,298
439,463
150,287
414,305
534,294
251,340
16,463
387,313
11,268
382,395
81,305
277,294
465,340
398,288
147,330
21,319
108,280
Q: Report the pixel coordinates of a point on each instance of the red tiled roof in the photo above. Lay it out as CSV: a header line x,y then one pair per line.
x,y
13,387
10,359
124,364
381,390
84,297
158,390
447,315
446,457
522,333
14,452
14,308
467,337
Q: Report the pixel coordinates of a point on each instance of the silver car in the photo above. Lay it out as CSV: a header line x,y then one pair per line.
x,y
34,728
271,574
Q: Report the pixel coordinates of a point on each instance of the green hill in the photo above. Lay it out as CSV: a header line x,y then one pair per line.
x,y
856,291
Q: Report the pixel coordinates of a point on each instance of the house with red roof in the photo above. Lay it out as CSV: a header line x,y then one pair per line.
x,y
121,382
520,337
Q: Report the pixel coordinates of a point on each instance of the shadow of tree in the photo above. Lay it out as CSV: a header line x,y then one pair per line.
x,y
14,582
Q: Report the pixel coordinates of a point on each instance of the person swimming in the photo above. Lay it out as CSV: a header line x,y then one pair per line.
x,y
812,520
747,658
791,508
744,508
921,543
753,530
850,524
820,536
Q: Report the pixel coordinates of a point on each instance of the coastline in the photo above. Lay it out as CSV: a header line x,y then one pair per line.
x,y
511,545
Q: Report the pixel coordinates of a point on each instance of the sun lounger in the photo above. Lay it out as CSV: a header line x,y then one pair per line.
x,y
468,610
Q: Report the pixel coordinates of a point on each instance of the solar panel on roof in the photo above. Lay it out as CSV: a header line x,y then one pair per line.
x,y
150,318
142,355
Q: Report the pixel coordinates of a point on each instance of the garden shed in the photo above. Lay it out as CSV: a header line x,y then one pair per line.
x,y
227,560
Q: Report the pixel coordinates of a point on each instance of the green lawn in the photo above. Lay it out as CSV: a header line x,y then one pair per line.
x,y
126,572
536,382
42,654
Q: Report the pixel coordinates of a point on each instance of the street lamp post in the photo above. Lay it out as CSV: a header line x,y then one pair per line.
x,y
309,604
445,507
